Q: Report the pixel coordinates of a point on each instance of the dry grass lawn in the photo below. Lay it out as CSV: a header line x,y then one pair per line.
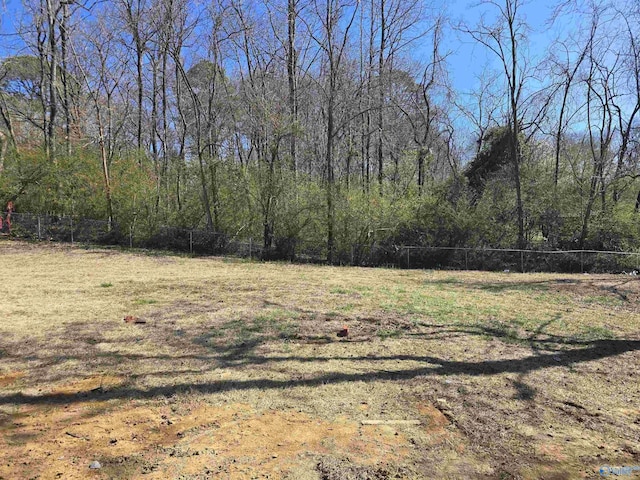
x,y
238,372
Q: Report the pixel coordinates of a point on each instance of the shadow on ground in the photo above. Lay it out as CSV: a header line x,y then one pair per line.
x,y
596,350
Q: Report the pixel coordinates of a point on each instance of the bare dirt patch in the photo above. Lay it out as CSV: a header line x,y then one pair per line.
x,y
619,290
10,378
164,441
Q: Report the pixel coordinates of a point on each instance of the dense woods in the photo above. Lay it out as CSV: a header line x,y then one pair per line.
x,y
326,124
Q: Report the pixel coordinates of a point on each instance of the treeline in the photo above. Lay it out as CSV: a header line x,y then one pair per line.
x,y
325,124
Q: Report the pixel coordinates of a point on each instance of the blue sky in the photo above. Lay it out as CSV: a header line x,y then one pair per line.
x,y
10,11
466,61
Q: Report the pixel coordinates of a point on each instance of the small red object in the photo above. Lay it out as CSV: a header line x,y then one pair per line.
x,y
344,332
132,319
7,219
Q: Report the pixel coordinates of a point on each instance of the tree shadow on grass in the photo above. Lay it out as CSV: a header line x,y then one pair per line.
x,y
524,391
433,366
525,286
542,285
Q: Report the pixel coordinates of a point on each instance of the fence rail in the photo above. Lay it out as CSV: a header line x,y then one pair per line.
x,y
203,242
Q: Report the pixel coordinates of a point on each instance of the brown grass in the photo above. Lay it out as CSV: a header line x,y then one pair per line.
x,y
238,372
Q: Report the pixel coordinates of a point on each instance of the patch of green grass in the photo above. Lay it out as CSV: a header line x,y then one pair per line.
x,y
389,333
271,324
106,284
237,260
278,322
445,281
256,327
592,333
145,301
339,291
504,332
276,314
362,288
533,324
517,286
232,324
287,331
604,300
347,307
436,306
552,298
520,320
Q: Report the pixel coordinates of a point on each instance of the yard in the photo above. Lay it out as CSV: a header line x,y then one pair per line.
x,y
238,371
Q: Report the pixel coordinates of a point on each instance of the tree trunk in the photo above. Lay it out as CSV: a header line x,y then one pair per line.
x,y
182,136
4,142
153,131
515,152
6,118
330,178
140,93
422,154
587,213
64,35
383,32
42,81
198,118
292,62
53,80
134,25
515,126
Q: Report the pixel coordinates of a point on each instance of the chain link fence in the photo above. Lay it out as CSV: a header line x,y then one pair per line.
x,y
62,229
495,259
100,232
203,242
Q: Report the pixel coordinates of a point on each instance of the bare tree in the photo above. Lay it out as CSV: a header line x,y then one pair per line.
x,y
626,105
4,144
101,81
421,111
397,29
53,8
600,125
336,18
568,74
6,119
133,14
292,77
481,109
504,39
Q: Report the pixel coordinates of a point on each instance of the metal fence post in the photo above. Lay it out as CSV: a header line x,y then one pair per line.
x,y
581,262
191,241
39,236
250,245
130,236
521,261
71,222
408,264
466,259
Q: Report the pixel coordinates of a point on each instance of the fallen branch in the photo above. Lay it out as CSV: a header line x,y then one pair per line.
x,y
76,436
